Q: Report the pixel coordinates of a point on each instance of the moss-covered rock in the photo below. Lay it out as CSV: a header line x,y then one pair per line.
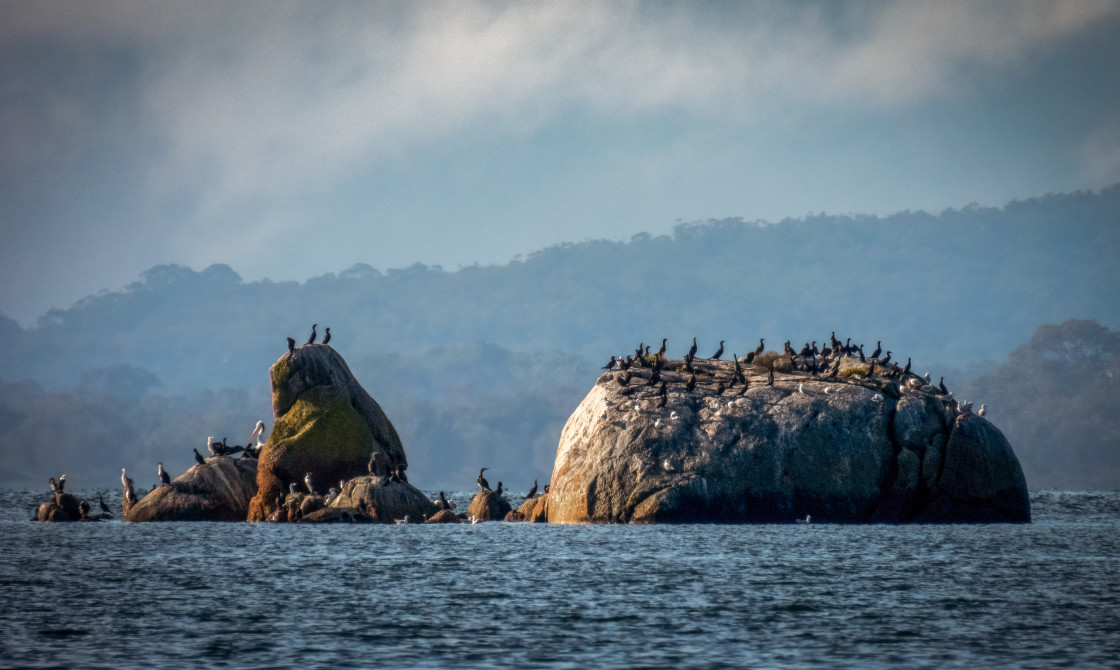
x,y
325,424
218,490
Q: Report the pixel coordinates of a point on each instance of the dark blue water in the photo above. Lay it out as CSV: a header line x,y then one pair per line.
x,y
179,595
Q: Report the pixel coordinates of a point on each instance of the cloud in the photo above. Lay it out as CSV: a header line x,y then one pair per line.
x,y
260,99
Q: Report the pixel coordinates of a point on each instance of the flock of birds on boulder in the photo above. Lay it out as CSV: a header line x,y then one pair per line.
x,y
822,363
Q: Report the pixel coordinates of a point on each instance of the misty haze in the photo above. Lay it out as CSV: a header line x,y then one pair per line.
x,y
560,334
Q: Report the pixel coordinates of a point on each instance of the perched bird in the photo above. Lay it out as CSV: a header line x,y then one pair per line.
x,y
661,401
481,481
719,352
164,478
308,483
546,488
83,508
293,488
610,365
129,493
499,490
327,337
878,349
257,434
212,446
692,349
761,347
691,384
906,370
625,364
983,411
883,363
198,458
61,484
862,358
291,345
941,385
332,493
929,380
53,484
124,479
661,351
102,505
532,491
806,521
311,340
442,502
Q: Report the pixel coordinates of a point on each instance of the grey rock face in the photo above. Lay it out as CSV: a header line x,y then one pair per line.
x,y
220,490
847,449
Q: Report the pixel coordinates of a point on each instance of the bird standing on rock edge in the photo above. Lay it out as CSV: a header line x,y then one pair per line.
x,y
481,481
291,345
719,352
311,340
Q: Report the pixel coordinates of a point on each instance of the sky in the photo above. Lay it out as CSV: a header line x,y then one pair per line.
x,y
290,140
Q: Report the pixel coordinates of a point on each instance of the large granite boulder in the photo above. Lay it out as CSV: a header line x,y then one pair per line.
x,y
219,490
325,424
386,501
849,449
64,507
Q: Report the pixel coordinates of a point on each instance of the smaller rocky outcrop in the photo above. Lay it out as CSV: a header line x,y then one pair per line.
x,y
525,511
386,501
64,507
218,490
488,506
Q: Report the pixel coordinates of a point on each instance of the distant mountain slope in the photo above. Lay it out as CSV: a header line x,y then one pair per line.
x,y
486,363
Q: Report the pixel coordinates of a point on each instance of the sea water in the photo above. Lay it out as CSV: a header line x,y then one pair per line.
x,y
501,595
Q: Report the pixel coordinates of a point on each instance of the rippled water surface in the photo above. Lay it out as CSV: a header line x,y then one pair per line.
x,y
112,594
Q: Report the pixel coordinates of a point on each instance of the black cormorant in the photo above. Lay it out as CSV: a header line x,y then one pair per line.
x,y
311,340
101,503
61,484
532,491
886,360
610,365
327,337
719,352
198,458
906,370
761,347
661,351
862,358
941,385
750,357
481,481
878,349
498,491
692,349
164,478
291,345
546,488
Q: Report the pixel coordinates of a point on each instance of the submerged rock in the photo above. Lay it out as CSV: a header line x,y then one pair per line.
x,y
219,490
846,449
444,516
325,424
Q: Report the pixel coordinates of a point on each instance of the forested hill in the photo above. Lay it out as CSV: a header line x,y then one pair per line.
x,y
482,366
962,286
